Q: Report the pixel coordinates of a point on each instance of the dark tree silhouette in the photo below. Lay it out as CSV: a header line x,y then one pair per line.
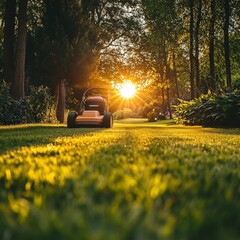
x,y
191,33
10,12
211,46
18,88
226,43
199,18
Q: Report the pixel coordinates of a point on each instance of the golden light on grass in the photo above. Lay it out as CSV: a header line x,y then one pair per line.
x,y
127,89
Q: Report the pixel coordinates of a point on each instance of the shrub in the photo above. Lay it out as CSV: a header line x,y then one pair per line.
x,y
152,116
5,101
39,107
122,114
41,104
11,111
211,110
161,116
72,103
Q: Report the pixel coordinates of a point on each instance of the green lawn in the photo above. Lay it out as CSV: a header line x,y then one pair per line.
x,y
136,181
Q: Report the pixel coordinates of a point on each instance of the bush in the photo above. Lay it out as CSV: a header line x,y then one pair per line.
x,y
11,111
161,116
152,116
211,110
122,114
5,102
71,102
39,107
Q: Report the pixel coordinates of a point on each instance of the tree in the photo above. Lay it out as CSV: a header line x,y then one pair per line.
x,y
61,98
199,18
191,49
175,74
86,41
9,27
71,38
211,45
226,43
18,87
162,45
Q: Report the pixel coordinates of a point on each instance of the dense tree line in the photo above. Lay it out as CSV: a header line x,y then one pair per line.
x,y
181,48
59,40
197,37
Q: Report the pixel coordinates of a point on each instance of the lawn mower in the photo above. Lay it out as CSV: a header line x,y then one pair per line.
x,y
93,111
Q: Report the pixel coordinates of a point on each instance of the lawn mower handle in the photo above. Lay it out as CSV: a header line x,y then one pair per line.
x,y
90,89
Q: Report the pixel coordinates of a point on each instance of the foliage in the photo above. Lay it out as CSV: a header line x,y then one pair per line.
x,y
122,114
141,181
75,40
67,42
41,103
165,45
152,116
72,103
11,111
211,110
155,105
39,107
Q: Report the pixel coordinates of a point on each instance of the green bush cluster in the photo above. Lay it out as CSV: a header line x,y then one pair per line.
x,y
122,114
41,104
152,116
211,110
38,107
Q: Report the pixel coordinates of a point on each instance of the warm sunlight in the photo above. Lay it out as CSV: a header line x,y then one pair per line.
x,y
127,89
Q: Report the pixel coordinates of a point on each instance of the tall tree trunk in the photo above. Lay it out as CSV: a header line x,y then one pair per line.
x,y
61,101
199,18
175,74
191,5
226,44
163,101
161,76
18,87
168,101
211,46
10,13
167,78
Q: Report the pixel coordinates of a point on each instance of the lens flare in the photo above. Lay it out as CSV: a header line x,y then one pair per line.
x,y
127,89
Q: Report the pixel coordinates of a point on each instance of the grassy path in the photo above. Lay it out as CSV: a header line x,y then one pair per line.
x,y
135,181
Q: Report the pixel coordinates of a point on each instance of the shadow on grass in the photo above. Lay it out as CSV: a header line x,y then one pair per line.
x,y
145,121
80,202
27,135
171,125
225,131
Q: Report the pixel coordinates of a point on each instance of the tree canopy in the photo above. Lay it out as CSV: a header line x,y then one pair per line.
x,y
179,48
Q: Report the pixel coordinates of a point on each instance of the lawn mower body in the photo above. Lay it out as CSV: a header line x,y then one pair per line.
x,y
93,112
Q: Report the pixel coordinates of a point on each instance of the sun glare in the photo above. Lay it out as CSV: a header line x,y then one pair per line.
x,y
127,89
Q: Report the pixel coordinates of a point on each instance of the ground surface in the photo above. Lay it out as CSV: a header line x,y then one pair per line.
x,y
135,181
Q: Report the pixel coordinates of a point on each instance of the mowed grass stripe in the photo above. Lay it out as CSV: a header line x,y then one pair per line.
x,y
136,181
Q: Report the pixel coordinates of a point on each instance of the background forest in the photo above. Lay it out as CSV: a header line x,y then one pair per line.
x,y
170,49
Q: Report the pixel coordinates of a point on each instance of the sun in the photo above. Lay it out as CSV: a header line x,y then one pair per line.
x,y
127,89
